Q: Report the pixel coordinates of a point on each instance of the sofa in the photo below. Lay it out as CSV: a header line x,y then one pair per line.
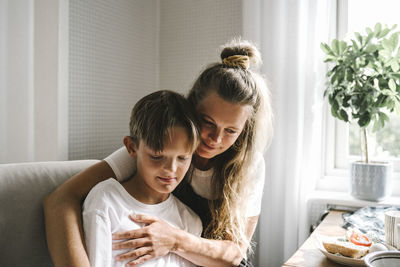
x,y
22,189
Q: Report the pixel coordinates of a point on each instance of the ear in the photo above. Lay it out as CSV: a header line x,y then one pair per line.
x,y
130,146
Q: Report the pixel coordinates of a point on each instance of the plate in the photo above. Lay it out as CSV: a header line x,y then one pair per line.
x,y
337,257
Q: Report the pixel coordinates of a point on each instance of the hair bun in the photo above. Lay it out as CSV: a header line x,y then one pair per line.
x,y
237,61
240,53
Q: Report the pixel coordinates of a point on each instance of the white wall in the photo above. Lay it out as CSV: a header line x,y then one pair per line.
x,y
113,62
149,45
191,33
74,69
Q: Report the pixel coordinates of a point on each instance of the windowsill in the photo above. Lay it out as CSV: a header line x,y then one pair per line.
x,y
337,182
346,200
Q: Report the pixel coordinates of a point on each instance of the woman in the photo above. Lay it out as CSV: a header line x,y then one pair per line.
x,y
224,188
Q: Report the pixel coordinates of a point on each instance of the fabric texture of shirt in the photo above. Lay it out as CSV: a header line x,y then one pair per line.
x,y
124,167
106,211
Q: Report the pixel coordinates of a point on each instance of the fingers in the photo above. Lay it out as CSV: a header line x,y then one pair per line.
x,y
143,218
135,254
132,243
140,260
138,233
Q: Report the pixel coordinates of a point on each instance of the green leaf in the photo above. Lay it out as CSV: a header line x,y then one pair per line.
x,y
369,31
384,117
334,113
390,103
370,48
387,45
342,47
327,50
334,78
395,66
381,122
392,85
335,105
377,29
343,115
340,75
364,106
385,53
346,100
364,120
394,39
369,37
383,33
335,46
387,92
330,58
359,38
355,46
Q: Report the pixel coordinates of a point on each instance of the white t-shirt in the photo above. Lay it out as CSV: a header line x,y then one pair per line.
x,y
124,167
106,210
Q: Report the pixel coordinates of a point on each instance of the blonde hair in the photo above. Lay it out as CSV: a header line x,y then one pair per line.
x,y
235,81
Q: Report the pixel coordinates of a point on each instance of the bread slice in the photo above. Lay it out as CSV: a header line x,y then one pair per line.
x,y
345,248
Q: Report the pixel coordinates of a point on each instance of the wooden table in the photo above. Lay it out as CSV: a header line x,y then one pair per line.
x,y
309,254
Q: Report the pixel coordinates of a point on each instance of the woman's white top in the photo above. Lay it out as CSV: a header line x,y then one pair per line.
x,y
124,167
106,211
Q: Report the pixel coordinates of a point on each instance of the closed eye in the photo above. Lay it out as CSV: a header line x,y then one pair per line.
x,y
208,122
156,157
230,131
183,158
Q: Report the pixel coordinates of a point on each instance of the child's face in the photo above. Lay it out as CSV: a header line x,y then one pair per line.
x,y
163,171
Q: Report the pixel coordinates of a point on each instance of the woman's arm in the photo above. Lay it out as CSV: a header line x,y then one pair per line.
x,y
159,238
208,252
62,210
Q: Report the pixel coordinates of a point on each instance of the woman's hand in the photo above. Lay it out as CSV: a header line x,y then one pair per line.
x,y
154,240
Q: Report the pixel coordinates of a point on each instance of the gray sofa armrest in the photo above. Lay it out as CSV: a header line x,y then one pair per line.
x,y
23,186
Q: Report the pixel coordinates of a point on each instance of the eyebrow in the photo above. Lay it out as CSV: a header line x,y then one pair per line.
x,y
229,127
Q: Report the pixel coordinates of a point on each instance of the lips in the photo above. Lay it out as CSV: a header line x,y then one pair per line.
x,y
207,147
166,179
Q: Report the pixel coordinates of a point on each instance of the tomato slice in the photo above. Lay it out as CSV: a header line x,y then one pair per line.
x,y
360,239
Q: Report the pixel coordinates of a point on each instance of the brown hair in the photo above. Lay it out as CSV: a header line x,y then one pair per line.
x,y
154,115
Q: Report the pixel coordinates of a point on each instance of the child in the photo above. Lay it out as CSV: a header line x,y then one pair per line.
x,y
163,135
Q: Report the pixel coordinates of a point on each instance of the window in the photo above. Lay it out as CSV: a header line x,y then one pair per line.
x,y
343,140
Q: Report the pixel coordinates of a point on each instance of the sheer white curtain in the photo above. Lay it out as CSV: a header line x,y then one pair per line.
x,y
33,99
290,33
16,81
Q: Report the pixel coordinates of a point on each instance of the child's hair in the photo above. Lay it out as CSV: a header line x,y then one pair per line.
x,y
235,82
154,115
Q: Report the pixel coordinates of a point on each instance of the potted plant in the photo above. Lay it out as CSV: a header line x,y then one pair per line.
x,y
363,87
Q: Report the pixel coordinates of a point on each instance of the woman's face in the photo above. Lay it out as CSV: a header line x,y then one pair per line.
x,y
221,124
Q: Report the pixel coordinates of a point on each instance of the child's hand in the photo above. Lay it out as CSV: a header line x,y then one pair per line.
x,y
154,240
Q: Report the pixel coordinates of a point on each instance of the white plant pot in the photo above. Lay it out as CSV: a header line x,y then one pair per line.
x,y
371,181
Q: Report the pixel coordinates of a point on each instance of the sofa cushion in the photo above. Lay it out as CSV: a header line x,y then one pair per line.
x,y
22,189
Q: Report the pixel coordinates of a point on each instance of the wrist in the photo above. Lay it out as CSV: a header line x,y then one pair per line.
x,y
179,236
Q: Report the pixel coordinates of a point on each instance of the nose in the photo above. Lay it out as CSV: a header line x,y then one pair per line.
x,y
171,165
216,135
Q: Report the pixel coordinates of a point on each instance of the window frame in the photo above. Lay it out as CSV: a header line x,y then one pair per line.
x,y
336,159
